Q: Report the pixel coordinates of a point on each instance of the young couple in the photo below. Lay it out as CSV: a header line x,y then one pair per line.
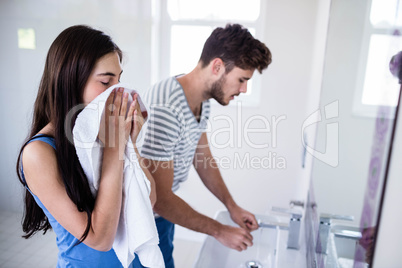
x,y
82,63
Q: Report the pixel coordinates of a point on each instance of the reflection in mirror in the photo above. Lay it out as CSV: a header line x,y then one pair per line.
x,y
370,233
358,102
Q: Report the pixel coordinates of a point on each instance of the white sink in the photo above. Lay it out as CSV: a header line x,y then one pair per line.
x,y
341,251
264,250
345,252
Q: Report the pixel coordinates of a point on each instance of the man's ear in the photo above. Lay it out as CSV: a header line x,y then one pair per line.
x,y
217,66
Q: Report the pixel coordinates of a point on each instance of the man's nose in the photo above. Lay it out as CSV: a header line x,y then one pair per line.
x,y
243,88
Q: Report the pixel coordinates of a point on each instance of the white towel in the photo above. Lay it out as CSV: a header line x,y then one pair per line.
x,y
136,232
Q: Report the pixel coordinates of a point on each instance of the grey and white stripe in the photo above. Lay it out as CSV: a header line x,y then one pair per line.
x,y
173,131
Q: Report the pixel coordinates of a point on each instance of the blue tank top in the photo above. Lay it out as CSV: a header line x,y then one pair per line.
x,y
70,254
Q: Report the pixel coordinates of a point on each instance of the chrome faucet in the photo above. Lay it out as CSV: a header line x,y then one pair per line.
x,y
293,227
325,229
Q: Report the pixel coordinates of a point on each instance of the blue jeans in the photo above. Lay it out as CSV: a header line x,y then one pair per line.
x,y
166,233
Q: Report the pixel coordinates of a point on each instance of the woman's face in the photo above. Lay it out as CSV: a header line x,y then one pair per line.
x,y
106,73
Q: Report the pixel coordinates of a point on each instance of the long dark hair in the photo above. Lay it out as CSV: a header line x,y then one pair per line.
x,y
69,62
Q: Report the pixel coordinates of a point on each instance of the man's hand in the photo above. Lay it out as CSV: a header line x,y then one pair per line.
x,y
243,218
234,237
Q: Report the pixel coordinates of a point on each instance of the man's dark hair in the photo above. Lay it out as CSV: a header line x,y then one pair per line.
x,y
235,46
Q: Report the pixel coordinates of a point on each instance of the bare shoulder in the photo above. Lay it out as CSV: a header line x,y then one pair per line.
x,y
40,164
36,151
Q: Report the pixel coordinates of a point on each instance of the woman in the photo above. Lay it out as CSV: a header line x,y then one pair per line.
x,y
81,63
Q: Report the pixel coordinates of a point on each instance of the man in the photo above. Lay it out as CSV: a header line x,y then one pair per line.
x,y
175,136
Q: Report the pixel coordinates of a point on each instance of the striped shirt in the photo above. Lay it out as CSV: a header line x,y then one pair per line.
x,y
173,131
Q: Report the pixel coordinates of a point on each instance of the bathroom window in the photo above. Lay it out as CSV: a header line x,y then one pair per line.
x,y
182,26
382,39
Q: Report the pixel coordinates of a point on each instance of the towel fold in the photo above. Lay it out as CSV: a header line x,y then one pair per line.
x,y
136,231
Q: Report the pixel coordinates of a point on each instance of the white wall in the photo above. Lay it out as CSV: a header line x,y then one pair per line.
x,y
129,24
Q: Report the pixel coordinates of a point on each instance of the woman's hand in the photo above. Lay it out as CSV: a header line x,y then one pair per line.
x,y
116,123
138,120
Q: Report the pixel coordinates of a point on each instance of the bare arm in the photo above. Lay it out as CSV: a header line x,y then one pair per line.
x,y
176,210
210,175
45,181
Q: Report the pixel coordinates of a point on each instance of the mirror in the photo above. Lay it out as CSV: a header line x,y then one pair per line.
x,y
357,102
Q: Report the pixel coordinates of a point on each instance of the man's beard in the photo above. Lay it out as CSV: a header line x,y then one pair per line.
x,y
216,91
